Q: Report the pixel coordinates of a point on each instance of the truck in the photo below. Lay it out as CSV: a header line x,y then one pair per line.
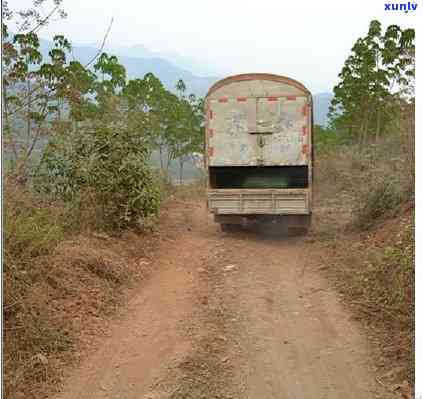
x,y
259,152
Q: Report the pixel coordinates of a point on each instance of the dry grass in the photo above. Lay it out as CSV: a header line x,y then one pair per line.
x,y
188,192
363,186
364,220
58,288
374,272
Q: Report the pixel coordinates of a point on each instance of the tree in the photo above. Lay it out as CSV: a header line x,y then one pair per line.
x,y
377,70
147,101
186,134
47,97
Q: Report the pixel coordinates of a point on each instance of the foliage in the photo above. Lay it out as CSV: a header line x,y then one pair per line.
x,y
373,81
100,129
78,141
382,197
372,183
186,136
327,140
385,283
108,158
35,17
33,227
43,97
47,280
393,269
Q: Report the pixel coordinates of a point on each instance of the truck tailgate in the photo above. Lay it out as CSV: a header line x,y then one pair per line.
x,y
261,201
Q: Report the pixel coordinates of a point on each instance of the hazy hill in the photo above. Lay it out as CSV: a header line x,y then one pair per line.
x,y
180,61
136,67
138,60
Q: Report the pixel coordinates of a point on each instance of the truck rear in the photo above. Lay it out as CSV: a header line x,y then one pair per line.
x,y
259,153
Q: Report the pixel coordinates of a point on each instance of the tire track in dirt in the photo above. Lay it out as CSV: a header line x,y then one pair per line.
x,y
298,340
150,334
230,316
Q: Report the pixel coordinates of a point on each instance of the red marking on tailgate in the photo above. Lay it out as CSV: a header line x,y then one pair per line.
x,y
305,130
241,99
223,99
291,98
211,132
210,114
305,149
211,151
272,99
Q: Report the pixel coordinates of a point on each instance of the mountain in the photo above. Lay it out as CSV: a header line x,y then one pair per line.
x,y
137,67
183,62
138,60
321,103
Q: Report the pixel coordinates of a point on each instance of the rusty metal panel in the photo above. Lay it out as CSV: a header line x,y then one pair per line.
x,y
268,115
258,131
231,122
264,201
285,145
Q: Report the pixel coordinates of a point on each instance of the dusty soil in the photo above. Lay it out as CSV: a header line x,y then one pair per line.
x,y
230,316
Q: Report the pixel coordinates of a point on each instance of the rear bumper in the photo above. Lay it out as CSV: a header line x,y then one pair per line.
x,y
259,201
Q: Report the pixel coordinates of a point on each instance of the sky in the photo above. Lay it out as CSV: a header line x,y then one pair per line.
x,y
307,40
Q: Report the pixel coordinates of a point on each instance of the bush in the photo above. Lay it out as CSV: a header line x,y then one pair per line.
x,y
327,140
375,181
107,165
381,195
384,286
192,191
45,277
389,280
32,226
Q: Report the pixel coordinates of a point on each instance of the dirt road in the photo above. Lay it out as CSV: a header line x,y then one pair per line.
x,y
230,316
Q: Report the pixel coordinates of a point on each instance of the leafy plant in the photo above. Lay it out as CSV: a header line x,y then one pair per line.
x,y
110,160
373,81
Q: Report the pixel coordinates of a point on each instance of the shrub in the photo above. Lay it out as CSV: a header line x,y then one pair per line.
x,y
385,287
383,179
376,180
105,163
32,226
327,140
389,280
381,195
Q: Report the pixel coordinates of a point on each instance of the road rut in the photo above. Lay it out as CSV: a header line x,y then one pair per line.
x,y
230,316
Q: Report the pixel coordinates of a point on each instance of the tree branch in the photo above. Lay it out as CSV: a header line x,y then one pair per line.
x,y
51,90
100,50
43,21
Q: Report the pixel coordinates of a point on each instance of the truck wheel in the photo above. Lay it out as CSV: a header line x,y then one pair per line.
x,y
229,228
297,231
302,228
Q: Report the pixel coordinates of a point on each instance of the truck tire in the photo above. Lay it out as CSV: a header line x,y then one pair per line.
x,y
229,228
297,231
302,228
